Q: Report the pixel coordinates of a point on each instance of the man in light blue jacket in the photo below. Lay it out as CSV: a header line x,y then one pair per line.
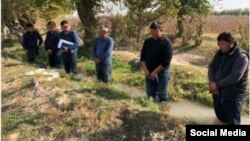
x,y
102,54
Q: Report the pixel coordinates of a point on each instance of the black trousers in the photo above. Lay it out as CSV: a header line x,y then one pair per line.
x,y
228,111
32,53
103,72
55,59
70,62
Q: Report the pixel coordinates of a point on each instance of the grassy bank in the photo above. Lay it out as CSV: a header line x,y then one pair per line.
x,y
186,82
85,109
68,109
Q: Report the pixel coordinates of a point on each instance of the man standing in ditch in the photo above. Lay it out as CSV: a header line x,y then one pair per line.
x,y
228,74
102,54
156,55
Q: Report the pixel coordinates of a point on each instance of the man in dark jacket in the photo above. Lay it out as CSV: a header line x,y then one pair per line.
x,y
228,74
68,43
156,55
31,42
51,42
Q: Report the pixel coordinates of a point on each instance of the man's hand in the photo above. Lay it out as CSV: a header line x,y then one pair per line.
x,y
65,49
97,61
153,76
49,51
146,73
215,92
213,87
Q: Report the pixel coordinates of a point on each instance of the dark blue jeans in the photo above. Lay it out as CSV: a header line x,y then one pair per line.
x,y
228,111
103,71
70,62
159,87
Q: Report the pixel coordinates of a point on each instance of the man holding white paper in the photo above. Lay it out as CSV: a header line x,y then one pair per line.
x,y
68,43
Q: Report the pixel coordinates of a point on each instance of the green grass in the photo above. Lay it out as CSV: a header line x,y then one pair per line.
x,y
87,66
204,97
124,72
17,120
14,119
149,103
121,72
189,83
137,81
185,82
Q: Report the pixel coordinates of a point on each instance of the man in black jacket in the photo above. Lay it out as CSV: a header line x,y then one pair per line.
x,y
156,55
31,42
228,73
51,42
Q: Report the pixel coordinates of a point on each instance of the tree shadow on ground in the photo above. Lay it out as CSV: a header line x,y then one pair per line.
x,y
81,91
145,125
111,94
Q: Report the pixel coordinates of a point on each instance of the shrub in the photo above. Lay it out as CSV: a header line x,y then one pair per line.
x,y
244,37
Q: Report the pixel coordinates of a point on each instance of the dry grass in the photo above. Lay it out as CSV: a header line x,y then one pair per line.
x,y
214,24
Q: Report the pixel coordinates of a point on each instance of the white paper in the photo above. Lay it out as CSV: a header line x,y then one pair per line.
x,y
61,41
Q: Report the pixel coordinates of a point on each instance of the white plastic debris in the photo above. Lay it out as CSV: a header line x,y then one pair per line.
x,y
49,73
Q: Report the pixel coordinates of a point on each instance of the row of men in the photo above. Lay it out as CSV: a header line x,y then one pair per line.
x,y
102,49
227,73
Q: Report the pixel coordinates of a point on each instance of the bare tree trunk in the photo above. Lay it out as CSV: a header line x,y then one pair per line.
x,y
180,25
180,29
198,39
85,9
16,24
139,28
15,29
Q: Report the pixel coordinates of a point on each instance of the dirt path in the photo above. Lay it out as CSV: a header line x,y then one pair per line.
x,y
182,59
190,60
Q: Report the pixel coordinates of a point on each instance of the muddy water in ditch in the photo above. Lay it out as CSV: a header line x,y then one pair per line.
x,y
197,112
184,109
